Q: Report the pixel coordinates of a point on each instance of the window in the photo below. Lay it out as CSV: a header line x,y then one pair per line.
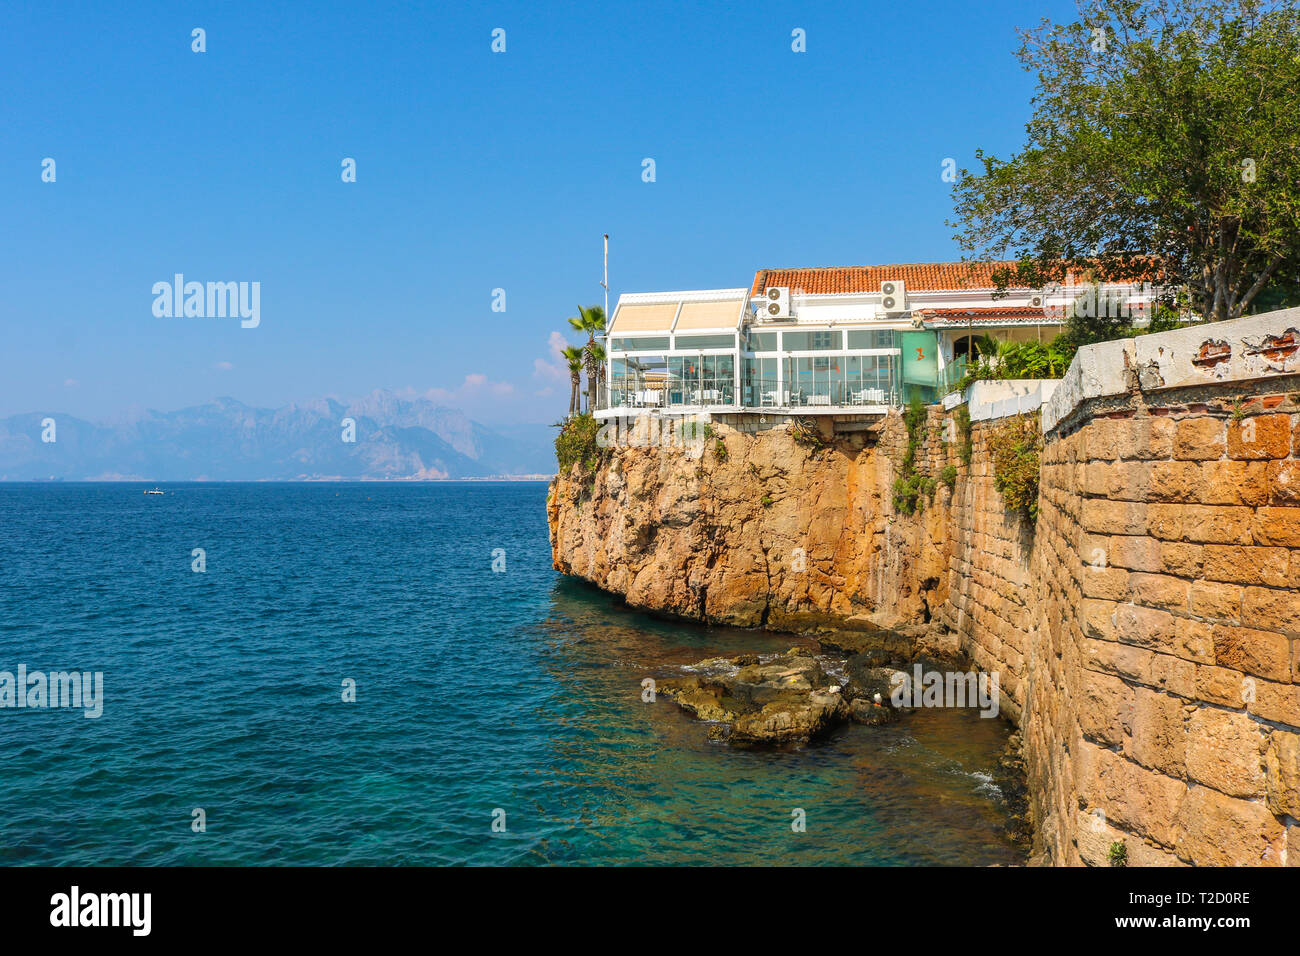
x,y
760,341
871,339
811,341
638,344
686,342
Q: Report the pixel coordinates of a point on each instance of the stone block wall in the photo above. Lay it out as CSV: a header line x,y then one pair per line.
x,y
1147,624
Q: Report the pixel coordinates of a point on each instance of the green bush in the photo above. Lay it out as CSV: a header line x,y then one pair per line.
x,y
720,450
576,445
949,476
1118,854
967,447
911,485
1014,447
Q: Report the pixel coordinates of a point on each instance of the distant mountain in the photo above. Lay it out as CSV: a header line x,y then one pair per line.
x,y
228,440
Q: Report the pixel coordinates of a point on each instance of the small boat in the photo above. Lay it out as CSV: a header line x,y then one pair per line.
x,y
155,492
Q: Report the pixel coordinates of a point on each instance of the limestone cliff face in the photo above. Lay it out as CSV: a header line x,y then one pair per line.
x,y
769,533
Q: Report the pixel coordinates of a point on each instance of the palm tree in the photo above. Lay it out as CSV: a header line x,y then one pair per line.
x,y
596,353
591,319
573,355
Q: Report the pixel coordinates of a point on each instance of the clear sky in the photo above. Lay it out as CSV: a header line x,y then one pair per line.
x,y
475,171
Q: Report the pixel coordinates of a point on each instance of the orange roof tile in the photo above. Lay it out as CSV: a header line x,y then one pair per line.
x,y
985,316
918,276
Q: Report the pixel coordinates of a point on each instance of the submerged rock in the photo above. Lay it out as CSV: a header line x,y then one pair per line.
x,y
782,699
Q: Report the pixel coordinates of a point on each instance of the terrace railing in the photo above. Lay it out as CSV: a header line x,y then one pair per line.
x,y
754,393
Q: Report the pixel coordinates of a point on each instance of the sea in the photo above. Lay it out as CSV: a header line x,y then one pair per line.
x,y
376,673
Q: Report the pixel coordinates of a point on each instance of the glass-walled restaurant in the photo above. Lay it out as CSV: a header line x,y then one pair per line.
x,y
772,368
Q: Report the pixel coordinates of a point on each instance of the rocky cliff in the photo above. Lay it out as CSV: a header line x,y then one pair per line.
x,y
760,529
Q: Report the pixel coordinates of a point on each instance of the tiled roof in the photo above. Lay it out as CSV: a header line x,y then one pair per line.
x,y
997,315
917,276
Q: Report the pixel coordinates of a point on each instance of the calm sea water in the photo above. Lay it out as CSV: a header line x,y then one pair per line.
x,y
475,690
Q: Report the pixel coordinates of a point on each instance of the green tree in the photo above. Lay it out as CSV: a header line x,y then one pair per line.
x,y
591,320
1164,142
573,356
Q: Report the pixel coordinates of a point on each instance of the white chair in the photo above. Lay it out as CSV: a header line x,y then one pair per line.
x,y
819,399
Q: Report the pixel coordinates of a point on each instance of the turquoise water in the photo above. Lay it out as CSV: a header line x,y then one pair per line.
x,y
475,691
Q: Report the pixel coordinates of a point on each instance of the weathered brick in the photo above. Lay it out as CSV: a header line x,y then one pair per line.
x,y
1200,523
1224,686
1103,516
1219,602
1108,583
1100,439
1284,482
1192,640
1145,438
1143,801
1282,773
1223,751
1215,830
1159,738
1181,559
1233,483
1258,653
1141,666
1271,609
1272,701
1158,590
1144,626
1277,526
1175,481
1135,552
1246,565
1106,709
1260,436
1098,618
1199,439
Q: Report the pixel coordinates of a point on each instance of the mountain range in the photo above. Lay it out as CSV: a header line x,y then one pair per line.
x,y
226,440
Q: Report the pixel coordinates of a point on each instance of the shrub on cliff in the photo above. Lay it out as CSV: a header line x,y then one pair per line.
x,y
1014,447
967,446
804,431
576,444
912,487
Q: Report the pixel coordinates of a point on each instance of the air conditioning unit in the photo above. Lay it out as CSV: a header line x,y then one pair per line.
x,y
893,296
778,303
1036,302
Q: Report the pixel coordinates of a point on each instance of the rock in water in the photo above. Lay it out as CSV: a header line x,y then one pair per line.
x,y
786,699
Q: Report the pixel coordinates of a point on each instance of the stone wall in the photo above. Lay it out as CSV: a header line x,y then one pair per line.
x,y
1146,626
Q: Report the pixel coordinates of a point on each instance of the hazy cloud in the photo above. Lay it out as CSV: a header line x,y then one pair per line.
x,y
554,365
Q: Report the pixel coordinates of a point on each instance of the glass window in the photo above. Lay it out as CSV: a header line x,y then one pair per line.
x,y
871,338
638,344
684,342
760,341
809,341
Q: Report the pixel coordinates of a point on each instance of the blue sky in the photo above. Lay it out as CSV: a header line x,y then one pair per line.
x,y
475,171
